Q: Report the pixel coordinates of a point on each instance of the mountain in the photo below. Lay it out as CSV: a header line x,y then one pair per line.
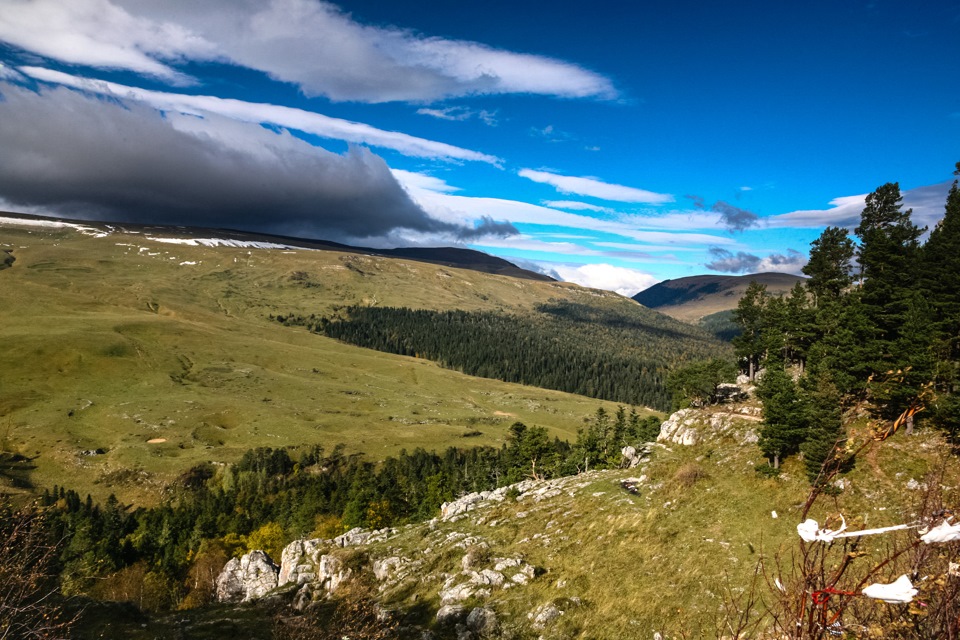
x,y
449,256
133,353
691,298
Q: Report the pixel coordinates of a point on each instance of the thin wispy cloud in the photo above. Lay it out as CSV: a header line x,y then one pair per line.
x,y
460,114
309,43
587,186
287,117
456,208
573,205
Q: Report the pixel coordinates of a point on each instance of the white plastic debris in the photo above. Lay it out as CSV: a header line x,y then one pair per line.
x,y
901,591
944,532
810,532
773,514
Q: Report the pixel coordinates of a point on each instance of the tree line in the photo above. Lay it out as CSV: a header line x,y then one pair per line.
x,y
877,324
601,353
169,555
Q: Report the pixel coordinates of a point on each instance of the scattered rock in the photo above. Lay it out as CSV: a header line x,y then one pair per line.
x,y
483,622
451,614
544,615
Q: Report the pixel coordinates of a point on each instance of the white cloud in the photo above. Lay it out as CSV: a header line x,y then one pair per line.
x,y
460,114
595,188
454,114
422,182
626,282
6,73
576,206
287,117
458,209
310,43
927,203
99,34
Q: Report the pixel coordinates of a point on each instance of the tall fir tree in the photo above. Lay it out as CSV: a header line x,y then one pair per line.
x,y
749,316
889,259
940,275
829,267
784,416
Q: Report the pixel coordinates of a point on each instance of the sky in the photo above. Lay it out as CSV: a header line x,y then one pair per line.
x,y
610,144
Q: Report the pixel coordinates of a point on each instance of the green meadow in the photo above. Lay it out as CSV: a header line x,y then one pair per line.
x,y
127,360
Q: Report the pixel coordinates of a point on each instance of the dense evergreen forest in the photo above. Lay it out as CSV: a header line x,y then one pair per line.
x,y
169,555
591,351
876,326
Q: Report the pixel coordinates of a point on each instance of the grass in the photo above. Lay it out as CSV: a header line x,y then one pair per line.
x,y
670,558
112,344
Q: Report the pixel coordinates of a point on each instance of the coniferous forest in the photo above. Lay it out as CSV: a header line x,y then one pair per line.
x,y
168,555
568,347
876,326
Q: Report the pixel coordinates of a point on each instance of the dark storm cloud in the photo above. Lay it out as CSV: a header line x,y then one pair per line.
x,y
734,218
486,228
698,202
86,157
728,262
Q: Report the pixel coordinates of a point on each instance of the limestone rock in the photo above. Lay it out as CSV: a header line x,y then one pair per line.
x,y
544,615
248,578
483,622
299,560
451,614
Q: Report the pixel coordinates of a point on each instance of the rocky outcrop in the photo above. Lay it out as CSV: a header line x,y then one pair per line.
x,y
299,560
247,578
692,426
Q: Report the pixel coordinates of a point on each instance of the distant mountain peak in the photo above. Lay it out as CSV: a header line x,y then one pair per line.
x,y
694,297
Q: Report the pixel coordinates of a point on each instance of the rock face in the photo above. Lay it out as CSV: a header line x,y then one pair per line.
x,y
248,578
298,561
691,426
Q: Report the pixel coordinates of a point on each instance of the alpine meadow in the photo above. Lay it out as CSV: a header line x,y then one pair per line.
x,y
361,320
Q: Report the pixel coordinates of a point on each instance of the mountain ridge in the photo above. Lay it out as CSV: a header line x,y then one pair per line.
x,y
693,297
459,257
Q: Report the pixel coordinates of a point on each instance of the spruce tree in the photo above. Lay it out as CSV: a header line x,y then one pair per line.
x,y
829,266
749,316
889,254
823,448
784,418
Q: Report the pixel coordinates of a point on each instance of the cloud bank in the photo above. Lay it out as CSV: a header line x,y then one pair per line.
x,y
83,156
287,117
309,43
927,203
626,282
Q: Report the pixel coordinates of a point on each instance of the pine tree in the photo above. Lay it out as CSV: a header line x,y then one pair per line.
x,y
749,316
823,448
940,257
829,266
784,417
889,254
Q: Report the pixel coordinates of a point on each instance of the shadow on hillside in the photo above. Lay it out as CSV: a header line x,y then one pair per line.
x,y
15,470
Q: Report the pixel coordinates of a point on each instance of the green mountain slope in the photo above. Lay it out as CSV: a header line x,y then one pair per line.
x,y
130,356
690,299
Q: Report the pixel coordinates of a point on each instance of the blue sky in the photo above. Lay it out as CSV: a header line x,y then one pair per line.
x,y
611,144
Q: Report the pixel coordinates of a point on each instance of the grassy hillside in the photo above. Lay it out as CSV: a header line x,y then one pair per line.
x,y
690,299
128,360
670,547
